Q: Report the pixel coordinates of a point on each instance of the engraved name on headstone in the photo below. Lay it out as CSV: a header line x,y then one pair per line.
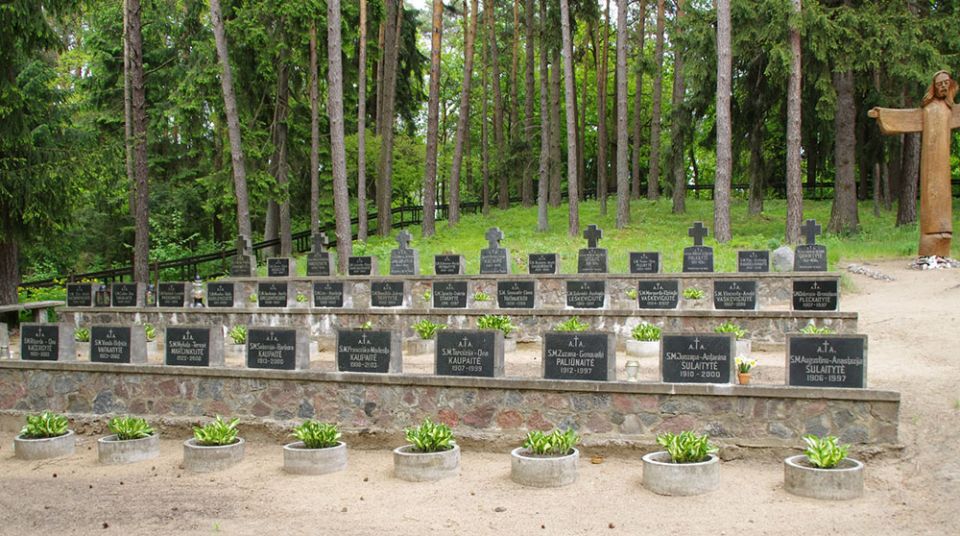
x,y
449,264
740,295
244,263
221,294
753,261
47,342
542,263
810,257
193,346
827,361
697,258
362,265
586,294
118,344
516,294
319,259
126,294
450,294
579,356
816,295
697,358
79,295
386,293
658,294
368,351
469,353
494,259
172,294
327,294
277,348
271,294
403,260
280,267
592,259
645,262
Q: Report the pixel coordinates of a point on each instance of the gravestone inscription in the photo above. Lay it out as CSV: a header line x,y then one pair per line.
x,y
494,259
270,294
79,295
542,263
697,358
244,263
579,356
403,260
193,346
362,265
172,294
810,257
386,293
739,295
753,261
368,351
281,267
592,259
327,294
816,295
277,349
827,361
450,294
469,353
47,342
645,262
449,264
220,294
126,294
697,258
658,294
586,294
319,259
516,294
118,344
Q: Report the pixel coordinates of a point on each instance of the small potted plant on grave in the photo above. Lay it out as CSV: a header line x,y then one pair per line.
x,y
424,342
688,466
743,344
546,460
237,340
744,366
644,340
150,334
213,447
481,300
572,325
318,450
301,299
812,329
502,323
431,453
132,440
81,336
823,471
46,435
695,298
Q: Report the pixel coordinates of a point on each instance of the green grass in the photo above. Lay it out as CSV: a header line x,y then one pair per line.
x,y
653,227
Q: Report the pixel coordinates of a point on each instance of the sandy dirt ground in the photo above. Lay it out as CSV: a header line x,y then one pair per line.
x,y
912,323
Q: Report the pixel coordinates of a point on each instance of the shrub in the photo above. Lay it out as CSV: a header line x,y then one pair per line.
x,y
317,435
645,331
556,443
686,447
129,428
426,329
573,324
47,424
824,452
501,322
731,327
218,432
238,334
430,437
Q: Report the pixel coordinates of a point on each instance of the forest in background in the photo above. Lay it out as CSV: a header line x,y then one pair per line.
x,y
517,119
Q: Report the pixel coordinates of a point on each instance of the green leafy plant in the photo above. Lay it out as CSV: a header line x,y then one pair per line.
x,y
812,329
632,293
731,327
824,452
686,447
47,424
218,432
744,365
481,296
301,297
430,436
150,332
556,443
427,295
317,435
501,322
693,293
366,326
127,428
252,298
645,331
81,335
572,324
426,329
238,334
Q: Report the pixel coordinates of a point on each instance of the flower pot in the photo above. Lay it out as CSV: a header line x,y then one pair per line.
x,y
152,347
840,483
113,451
637,348
743,378
83,350
632,369
663,477
234,351
425,466
743,347
300,460
46,447
418,346
208,458
543,471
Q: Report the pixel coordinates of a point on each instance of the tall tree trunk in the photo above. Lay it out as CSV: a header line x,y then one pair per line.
x,y
638,104
653,177
843,216
573,218
526,188
543,185
379,113
794,178
128,116
433,113
280,156
463,122
602,110
877,201
580,110
757,169
484,130
910,173
314,135
233,122
623,143
513,126
362,127
556,165
678,122
141,250
271,226
9,268
338,151
721,192
885,185
499,173
385,169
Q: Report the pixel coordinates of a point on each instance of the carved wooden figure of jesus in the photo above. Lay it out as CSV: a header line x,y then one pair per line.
x,y
936,118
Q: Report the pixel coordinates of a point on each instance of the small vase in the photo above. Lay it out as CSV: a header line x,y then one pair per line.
x,y
632,369
743,378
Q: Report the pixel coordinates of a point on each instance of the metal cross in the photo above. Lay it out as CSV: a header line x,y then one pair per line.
x,y
593,234
403,239
811,230
698,231
494,236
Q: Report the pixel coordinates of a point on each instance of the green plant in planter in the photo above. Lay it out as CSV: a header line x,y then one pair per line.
x,y
731,327
366,326
430,436
317,435
632,293
812,329
81,335
150,332
693,293
481,296
127,428
47,424
744,365
252,298
426,329
501,322
427,295
238,334
645,331
573,324
556,443
824,452
686,447
217,433
301,297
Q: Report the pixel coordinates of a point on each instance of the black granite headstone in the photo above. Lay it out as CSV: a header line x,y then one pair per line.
x,y
110,344
125,294
188,347
658,294
578,356
542,263
403,260
740,295
469,353
810,257
220,294
516,294
816,295
271,348
79,295
386,293
327,294
40,342
645,262
244,263
364,351
448,264
592,259
318,260
697,358
171,294
450,294
586,294
361,265
827,361
494,259
753,261
697,258
278,267
272,294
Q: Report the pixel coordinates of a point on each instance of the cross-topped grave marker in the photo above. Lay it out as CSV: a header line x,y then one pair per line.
x,y
810,257
404,261
403,239
811,229
593,234
494,259
319,260
320,242
697,258
592,260
698,232
244,263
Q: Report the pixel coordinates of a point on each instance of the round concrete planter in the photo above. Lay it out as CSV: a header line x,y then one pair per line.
x,y
152,348
299,460
425,466
205,459
841,483
743,347
83,350
643,348
113,451
664,477
418,346
543,471
43,448
234,351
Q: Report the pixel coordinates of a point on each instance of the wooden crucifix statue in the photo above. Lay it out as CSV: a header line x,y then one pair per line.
x,y
936,118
